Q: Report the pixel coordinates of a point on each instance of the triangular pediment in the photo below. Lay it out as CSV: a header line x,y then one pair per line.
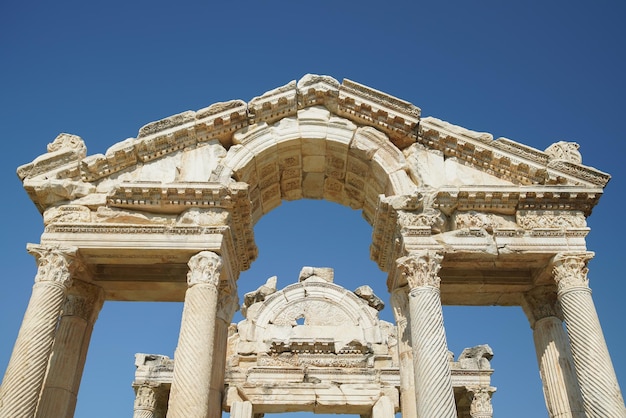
x,y
214,143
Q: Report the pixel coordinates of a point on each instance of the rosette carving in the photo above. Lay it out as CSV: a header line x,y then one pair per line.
x,y
205,268
421,268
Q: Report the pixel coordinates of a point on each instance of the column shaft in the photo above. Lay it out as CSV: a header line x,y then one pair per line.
x,y
399,302
193,360
71,342
383,408
241,409
26,371
598,383
433,378
556,366
560,386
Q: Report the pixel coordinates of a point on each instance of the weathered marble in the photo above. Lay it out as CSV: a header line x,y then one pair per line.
x,y
503,217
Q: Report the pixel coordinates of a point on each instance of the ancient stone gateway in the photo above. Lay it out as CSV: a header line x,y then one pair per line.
x,y
457,217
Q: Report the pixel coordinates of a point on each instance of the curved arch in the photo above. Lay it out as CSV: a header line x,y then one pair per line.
x,y
293,300
316,155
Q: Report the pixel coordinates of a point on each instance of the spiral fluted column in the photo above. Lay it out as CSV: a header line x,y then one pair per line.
x,y
71,342
556,366
598,383
189,395
400,305
26,371
433,381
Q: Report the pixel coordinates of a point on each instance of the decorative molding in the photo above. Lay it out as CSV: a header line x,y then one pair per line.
x,y
55,265
541,302
561,219
565,151
570,270
204,268
421,269
480,398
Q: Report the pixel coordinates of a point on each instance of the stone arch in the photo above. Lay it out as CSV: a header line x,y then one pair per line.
x,y
457,217
316,155
322,304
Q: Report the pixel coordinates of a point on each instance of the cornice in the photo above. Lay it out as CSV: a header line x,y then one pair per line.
x,y
66,167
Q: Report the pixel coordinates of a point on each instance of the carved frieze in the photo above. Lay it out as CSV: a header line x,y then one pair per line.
x,y
484,221
561,219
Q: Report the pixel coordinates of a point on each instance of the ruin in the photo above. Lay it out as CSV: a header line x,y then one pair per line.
x,y
457,218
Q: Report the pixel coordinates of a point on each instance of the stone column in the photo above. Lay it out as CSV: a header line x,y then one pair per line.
x,y
383,408
556,366
226,307
193,360
598,384
433,381
480,406
69,352
400,305
145,402
241,409
26,371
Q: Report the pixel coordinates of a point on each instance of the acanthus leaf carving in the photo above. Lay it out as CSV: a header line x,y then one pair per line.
x,y
55,265
204,268
421,268
542,303
570,270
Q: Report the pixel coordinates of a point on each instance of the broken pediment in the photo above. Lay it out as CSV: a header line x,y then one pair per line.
x,y
314,138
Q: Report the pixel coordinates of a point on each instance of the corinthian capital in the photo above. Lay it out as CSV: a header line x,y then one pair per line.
x,y
421,268
570,270
204,267
480,398
54,264
541,302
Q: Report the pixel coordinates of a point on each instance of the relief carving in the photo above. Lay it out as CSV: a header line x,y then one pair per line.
x,y
485,221
567,151
421,268
55,265
204,268
570,270
68,142
432,218
542,302
531,219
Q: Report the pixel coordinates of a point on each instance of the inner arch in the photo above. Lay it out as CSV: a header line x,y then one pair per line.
x,y
317,155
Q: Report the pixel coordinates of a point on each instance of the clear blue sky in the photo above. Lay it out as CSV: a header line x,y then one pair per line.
x,y
535,72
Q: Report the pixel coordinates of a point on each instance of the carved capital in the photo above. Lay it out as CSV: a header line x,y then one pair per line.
x,y
421,268
541,302
84,301
145,398
480,398
570,270
204,268
55,265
